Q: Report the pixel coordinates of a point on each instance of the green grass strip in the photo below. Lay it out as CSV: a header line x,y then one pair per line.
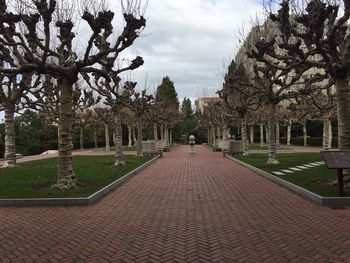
x,y
314,179
34,179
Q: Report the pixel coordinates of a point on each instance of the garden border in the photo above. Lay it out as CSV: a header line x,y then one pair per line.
x,y
324,201
79,200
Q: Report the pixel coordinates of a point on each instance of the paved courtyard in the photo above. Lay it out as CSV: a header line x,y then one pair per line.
x,y
200,208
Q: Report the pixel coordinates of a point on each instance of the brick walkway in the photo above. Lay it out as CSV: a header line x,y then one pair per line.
x,y
201,208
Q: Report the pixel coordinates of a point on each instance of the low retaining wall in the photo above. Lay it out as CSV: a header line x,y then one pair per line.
x,y
324,201
76,201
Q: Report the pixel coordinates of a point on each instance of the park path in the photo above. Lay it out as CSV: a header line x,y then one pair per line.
x,y
183,208
85,152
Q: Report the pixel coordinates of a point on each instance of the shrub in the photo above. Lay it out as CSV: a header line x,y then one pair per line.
x,y
311,141
2,150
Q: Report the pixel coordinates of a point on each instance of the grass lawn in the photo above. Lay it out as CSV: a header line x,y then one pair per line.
x,y
34,179
127,148
257,146
314,179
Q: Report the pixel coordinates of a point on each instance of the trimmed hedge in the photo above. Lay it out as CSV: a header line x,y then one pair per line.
x,y
89,144
311,141
53,145
2,150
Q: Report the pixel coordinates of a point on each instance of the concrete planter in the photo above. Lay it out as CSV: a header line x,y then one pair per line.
x,y
324,201
76,201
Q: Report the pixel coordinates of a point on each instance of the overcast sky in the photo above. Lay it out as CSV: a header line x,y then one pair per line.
x,y
190,41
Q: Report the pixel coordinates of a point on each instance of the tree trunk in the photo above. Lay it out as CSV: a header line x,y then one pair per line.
x,y
244,137
66,177
108,143
129,136
251,131
139,138
155,131
224,132
81,137
325,132
10,146
166,134
343,110
289,131
271,134
330,134
208,136
305,133
266,132
261,134
343,103
277,132
134,136
213,135
171,136
95,137
119,158
218,133
162,132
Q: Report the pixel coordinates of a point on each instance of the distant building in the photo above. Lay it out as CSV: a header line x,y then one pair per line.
x,y
200,103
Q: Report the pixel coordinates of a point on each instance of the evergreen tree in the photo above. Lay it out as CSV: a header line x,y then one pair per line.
x,y
186,108
166,93
187,125
167,105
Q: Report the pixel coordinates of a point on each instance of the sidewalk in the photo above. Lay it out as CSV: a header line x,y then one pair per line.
x,y
85,152
183,208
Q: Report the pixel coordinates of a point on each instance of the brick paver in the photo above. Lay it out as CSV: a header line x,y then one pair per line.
x,y
183,208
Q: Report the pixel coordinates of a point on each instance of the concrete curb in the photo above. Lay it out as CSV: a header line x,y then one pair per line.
x,y
324,201
76,201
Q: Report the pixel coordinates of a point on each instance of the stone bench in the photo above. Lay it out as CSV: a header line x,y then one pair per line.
x,y
221,145
151,148
161,144
234,147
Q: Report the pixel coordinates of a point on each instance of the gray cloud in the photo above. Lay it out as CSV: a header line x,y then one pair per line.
x,y
188,40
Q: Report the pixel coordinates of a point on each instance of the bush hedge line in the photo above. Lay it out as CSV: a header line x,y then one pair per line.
x,y
2,150
47,145
311,141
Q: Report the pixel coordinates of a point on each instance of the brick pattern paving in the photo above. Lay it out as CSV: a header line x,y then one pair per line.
x,y
201,208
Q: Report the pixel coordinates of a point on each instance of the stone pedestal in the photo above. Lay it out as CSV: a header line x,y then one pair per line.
x,y
192,143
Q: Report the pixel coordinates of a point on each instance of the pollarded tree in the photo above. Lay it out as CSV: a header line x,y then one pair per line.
x,y
14,95
47,100
206,119
272,82
239,97
154,117
105,116
82,100
140,105
285,117
29,42
221,118
261,118
318,36
116,97
128,119
321,105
